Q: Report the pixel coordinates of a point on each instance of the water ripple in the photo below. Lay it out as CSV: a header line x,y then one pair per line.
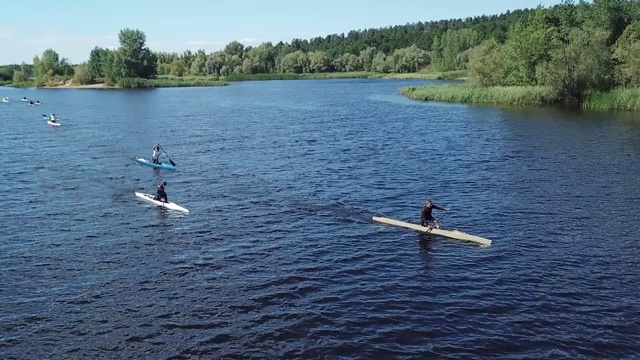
x,y
279,258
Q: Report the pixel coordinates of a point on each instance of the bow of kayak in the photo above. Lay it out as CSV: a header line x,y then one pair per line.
x,y
159,166
452,234
53,123
165,205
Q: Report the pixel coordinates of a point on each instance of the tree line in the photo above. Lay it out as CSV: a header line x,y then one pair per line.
x,y
572,47
402,48
576,49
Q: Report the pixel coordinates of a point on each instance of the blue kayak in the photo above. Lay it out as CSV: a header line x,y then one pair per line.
x,y
159,166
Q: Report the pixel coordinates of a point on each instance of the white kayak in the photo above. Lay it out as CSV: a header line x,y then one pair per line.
x,y
166,205
453,234
53,123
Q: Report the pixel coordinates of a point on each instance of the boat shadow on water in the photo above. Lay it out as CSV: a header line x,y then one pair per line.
x,y
426,247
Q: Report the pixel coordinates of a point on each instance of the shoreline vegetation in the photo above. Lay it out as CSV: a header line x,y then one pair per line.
x,y
584,55
623,99
200,81
496,95
577,52
401,52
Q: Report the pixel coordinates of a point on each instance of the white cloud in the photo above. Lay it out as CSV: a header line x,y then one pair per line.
x,y
6,33
203,42
74,40
251,41
74,48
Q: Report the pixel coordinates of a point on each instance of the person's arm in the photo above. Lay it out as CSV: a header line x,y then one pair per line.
x,y
439,208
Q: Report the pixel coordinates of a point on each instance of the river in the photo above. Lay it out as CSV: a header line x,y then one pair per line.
x,y
278,257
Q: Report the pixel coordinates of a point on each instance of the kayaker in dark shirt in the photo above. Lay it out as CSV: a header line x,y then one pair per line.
x,y
426,217
161,195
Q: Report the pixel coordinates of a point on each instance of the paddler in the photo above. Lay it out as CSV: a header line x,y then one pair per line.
x,y
426,218
156,153
161,195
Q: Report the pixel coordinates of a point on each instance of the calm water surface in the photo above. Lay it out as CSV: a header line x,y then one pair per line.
x,y
278,257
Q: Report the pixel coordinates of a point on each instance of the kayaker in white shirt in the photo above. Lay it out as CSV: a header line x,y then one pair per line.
x,y
156,153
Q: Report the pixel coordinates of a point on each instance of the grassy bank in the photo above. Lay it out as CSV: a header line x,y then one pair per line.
x,y
619,99
450,75
25,84
512,95
137,83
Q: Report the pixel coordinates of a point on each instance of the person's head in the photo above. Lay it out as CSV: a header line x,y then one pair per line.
x,y
428,203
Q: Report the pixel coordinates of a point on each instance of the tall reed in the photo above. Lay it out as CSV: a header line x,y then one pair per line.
x,y
618,99
511,95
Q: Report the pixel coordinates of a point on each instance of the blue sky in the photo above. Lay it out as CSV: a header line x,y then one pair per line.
x,y
74,27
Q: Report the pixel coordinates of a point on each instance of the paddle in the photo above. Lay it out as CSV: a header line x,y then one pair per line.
x,y
171,161
445,213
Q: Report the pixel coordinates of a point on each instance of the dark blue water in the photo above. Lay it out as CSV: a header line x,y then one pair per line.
x,y
278,257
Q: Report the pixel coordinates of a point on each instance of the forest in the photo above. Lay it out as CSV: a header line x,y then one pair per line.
x,y
394,49
572,50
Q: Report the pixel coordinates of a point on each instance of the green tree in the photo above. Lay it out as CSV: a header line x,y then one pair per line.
x,y
366,58
26,69
50,65
234,48
19,77
626,53
380,63
198,65
446,49
82,75
234,63
318,61
263,58
486,64
137,59
97,62
178,68
214,63
582,65
612,16
112,67
528,45
296,62
347,62
247,66
409,59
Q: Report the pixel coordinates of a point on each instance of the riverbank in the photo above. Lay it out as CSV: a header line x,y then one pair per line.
x,y
623,99
137,83
504,95
619,99
431,75
203,81
69,86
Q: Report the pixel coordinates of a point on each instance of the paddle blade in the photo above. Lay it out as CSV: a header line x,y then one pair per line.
x,y
172,163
